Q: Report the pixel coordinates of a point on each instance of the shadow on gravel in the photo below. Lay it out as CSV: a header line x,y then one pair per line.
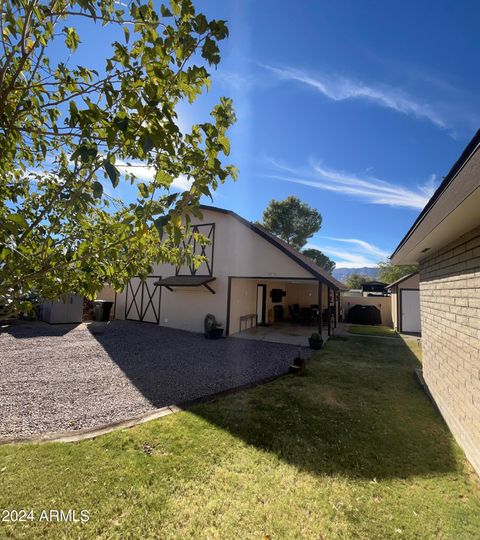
x,y
33,329
174,366
359,413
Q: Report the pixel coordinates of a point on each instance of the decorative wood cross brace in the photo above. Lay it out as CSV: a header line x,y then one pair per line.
x,y
199,249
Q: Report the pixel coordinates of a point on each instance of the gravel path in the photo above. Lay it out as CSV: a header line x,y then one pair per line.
x,y
63,377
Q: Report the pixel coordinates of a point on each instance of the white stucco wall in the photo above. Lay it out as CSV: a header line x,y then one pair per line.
x,y
239,252
107,293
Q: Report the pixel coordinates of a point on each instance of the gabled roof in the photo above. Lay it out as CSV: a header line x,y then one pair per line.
x,y
401,279
288,250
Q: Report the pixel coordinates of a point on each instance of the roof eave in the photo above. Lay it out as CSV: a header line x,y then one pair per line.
x,y
468,152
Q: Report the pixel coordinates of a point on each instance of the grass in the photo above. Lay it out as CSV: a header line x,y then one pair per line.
x,y
383,331
352,450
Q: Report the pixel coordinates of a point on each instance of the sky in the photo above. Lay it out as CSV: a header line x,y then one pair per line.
x,y
357,108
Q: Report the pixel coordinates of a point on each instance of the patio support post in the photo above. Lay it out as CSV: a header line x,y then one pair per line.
x,y
320,316
329,312
335,304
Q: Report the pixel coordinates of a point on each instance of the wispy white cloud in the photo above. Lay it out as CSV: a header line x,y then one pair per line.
x,y
239,81
361,245
147,174
366,187
358,255
338,88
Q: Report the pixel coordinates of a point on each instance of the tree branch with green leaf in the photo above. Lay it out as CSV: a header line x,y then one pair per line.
x,y
388,272
66,128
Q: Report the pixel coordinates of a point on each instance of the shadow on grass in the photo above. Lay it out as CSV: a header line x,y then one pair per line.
x,y
358,413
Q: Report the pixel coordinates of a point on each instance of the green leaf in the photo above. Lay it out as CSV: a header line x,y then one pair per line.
x,y
126,31
171,198
201,23
160,224
121,122
86,152
143,189
19,220
91,9
71,38
219,29
112,172
175,5
4,252
225,144
165,11
147,144
210,51
97,189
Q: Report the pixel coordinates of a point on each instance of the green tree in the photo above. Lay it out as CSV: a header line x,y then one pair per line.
x,y
292,220
320,259
389,272
355,281
68,133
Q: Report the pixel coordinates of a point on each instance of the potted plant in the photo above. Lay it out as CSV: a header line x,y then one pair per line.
x,y
315,341
213,329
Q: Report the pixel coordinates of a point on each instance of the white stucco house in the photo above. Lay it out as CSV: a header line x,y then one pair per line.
x,y
247,274
445,243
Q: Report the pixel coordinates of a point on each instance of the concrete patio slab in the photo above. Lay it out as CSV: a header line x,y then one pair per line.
x,y
283,332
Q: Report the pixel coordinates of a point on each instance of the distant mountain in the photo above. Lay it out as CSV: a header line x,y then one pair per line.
x,y
342,273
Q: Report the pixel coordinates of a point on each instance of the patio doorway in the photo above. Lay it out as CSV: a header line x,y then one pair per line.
x,y
261,304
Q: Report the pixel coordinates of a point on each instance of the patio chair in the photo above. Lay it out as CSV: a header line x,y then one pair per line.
x,y
295,312
308,315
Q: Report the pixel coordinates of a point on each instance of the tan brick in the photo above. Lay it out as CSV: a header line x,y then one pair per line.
x,y
450,313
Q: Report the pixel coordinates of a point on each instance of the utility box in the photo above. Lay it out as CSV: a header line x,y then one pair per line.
x,y
64,311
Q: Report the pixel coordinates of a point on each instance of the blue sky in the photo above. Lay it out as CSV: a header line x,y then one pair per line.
x,y
358,108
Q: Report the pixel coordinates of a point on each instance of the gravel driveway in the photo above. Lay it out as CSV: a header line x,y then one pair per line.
x,y
64,377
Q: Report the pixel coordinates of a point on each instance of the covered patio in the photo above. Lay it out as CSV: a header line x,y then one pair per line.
x,y
280,332
282,310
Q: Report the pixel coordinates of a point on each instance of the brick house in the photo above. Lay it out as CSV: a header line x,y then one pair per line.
x,y
445,242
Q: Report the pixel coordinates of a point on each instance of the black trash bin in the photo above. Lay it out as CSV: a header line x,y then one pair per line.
x,y
101,310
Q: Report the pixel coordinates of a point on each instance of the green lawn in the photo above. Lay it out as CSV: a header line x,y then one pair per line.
x,y
365,330
352,450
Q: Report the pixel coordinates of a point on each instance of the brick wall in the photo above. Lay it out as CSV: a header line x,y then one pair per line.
x,y
450,311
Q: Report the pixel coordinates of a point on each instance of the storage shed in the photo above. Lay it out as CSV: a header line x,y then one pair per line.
x,y
405,297
66,310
